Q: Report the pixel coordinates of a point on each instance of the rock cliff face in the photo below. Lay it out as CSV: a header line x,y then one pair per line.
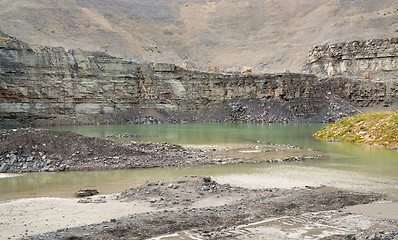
x,y
47,82
47,85
363,93
376,56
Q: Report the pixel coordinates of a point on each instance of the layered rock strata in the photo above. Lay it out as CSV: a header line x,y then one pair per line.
x,y
44,85
362,93
377,57
54,86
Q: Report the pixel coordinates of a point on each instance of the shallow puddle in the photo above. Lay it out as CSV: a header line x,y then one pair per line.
x,y
314,225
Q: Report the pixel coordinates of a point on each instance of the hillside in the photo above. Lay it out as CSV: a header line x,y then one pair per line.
x,y
268,35
375,128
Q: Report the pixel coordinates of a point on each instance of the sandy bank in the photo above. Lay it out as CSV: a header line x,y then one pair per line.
x,y
32,216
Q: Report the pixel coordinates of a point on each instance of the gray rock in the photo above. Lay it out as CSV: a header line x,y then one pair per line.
x,y
62,167
85,192
351,58
4,167
25,166
164,67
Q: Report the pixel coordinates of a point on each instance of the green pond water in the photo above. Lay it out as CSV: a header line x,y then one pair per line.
x,y
342,165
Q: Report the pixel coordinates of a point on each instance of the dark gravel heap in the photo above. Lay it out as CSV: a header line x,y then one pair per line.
x,y
368,235
34,150
183,192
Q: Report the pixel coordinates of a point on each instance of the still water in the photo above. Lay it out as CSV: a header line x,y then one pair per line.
x,y
342,165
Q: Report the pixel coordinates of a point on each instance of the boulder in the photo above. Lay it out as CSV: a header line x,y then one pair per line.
x,y
62,167
212,68
246,69
4,167
85,192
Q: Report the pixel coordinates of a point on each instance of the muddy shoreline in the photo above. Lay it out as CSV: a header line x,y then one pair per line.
x,y
42,150
211,210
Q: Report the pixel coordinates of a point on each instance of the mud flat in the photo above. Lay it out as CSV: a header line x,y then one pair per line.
x,y
195,206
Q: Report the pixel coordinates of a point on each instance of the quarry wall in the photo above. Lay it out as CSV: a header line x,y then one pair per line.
x,y
378,57
54,86
363,93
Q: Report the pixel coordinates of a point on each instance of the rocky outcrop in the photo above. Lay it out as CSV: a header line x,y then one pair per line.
x,y
54,86
46,82
86,192
375,56
47,85
360,92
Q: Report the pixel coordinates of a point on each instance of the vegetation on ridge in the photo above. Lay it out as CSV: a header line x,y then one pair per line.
x,y
375,128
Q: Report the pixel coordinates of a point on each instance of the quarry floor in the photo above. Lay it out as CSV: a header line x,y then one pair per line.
x,y
196,207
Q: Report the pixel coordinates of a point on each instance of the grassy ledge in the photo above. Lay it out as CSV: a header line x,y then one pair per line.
x,y
375,129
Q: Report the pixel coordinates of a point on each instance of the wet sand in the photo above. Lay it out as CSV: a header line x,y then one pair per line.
x,y
31,216
383,210
159,207
314,225
24,217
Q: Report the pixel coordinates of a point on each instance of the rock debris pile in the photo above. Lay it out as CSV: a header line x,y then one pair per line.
x,y
381,235
40,150
183,192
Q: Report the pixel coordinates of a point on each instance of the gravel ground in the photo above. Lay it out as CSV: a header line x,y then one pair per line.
x,y
34,150
42,150
180,205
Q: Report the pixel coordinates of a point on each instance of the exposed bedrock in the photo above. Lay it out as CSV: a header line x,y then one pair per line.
x,y
54,86
363,93
375,57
